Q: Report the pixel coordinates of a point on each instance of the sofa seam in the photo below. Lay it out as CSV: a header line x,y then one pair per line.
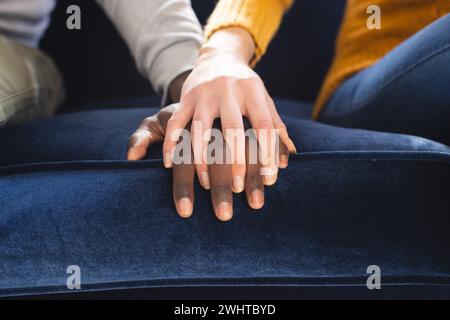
x,y
399,156
280,281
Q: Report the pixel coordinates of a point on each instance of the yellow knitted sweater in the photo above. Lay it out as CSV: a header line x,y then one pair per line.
x,y
357,46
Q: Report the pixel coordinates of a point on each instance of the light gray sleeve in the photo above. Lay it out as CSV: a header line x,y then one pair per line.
x,y
164,36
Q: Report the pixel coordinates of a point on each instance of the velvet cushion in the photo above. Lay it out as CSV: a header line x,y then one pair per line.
x,y
350,199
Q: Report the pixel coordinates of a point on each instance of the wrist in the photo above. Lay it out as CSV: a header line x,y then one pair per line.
x,y
176,87
234,43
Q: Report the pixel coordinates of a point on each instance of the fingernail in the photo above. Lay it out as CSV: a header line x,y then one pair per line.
x,y
257,198
225,211
167,160
204,177
185,207
284,161
270,180
293,146
238,184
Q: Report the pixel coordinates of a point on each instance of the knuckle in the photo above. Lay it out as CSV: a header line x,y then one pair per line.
x,y
139,135
281,126
184,188
233,125
172,121
200,117
197,117
254,84
265,124
221,188
133,138
188,94
168,145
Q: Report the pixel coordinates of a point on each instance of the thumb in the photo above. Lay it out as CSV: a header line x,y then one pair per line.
x,y
148,133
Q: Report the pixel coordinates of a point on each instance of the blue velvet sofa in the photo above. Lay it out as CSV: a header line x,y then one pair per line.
x,y
350,199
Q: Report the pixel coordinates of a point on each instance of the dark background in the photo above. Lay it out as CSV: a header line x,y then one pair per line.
x,y
97,66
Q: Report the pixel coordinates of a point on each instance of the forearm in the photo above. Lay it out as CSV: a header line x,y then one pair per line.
x,y
164,36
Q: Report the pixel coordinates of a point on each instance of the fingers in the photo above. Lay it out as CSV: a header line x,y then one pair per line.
x,y
202,122
280,126
138,145
148,133
221,192
254,185
178,122
284,156
234,134
183,189
234,175
261,120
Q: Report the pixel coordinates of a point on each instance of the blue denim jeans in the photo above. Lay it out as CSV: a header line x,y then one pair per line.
x,y
407,91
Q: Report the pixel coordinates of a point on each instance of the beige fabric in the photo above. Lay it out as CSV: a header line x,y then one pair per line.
x,y
30,84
